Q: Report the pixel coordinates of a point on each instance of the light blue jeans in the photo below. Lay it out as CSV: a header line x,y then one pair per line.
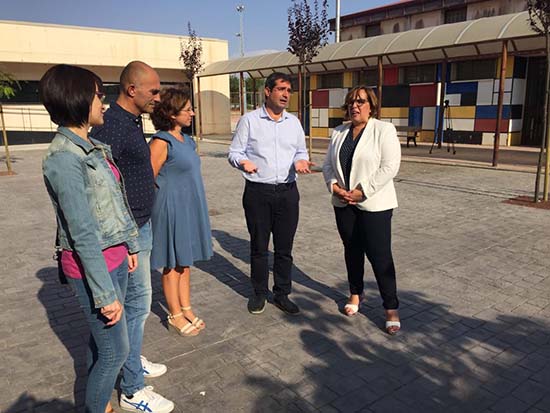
x,y
137,306
108,346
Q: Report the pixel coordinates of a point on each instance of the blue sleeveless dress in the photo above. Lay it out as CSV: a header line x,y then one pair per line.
x,y
181,227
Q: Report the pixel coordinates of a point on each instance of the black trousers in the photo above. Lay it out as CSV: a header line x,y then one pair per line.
x,y
271,209
368,233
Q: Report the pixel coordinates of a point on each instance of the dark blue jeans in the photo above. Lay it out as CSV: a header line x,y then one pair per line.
x,y
108,346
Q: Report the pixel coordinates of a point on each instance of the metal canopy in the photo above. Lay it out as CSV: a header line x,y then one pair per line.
x,y
469,39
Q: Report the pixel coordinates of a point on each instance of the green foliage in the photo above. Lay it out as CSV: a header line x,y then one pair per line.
x,y
191,53
8,85
539,15
307,29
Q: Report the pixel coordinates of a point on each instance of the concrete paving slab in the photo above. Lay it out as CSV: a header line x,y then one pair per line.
x,y
473,280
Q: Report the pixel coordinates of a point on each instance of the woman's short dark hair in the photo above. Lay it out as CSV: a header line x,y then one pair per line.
x,y
67,92
172,101
352,95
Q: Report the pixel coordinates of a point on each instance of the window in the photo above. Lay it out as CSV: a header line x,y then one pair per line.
x,y
417,74
419,24
331,80
27,94
455,15
367,77
372,30
396,28
474,69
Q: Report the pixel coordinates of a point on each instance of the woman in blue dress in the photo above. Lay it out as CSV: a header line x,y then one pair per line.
x,y
181,227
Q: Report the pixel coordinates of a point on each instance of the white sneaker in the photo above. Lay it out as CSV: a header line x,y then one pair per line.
x,y
146,400
152,369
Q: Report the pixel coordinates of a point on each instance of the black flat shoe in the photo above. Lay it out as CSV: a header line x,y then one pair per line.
x,y
284,303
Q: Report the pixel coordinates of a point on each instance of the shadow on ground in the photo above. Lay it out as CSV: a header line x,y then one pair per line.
x,y
27,403
440,361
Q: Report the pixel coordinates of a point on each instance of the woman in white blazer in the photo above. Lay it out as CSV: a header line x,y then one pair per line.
x,y
361,162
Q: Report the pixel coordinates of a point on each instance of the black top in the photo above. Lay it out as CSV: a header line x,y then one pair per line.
x,y
346,153
123,131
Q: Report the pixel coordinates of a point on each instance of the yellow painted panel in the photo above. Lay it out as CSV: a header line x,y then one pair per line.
x,y
394,113
335,113
426,136
462,112
514,138
293,103
348,79
319,132
313,82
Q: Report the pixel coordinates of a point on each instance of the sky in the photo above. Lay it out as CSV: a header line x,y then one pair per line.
x,y
265,22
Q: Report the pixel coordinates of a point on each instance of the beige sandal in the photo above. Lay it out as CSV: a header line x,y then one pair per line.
x,y
188,330
197,322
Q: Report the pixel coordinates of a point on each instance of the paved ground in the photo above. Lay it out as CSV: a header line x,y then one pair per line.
x,y
473,276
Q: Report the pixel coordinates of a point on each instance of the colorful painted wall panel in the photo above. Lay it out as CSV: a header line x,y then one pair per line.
x,y
461,124
428,118
485,92
466,112
336,97
388,112
319,98
396,96
415,117
423,95
391,76
461,87
489,125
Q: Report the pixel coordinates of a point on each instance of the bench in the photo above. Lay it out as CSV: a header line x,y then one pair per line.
x,y
409,132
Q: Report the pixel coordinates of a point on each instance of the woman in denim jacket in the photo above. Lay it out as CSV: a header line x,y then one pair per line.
x,y
95,228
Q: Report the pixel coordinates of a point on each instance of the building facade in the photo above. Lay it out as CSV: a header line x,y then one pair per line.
x,y
411,92
27,50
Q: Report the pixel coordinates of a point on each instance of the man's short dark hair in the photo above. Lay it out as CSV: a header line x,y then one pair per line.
x,y
273,77
67,92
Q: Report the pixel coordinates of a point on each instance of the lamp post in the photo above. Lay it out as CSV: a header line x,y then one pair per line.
x,y
240,35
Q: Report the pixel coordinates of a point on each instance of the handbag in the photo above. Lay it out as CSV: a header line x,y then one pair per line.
x,y
57,257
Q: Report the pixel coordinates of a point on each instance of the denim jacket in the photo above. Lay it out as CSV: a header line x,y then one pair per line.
x,y
90,206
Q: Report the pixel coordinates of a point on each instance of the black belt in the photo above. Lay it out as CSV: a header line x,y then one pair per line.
x,y
271,187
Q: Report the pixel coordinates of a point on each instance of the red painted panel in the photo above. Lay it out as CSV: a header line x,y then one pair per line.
x,y
489,125
391,76
423,95
319,99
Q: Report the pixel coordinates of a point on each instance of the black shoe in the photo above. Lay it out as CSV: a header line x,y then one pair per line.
x,y
256,304
284,303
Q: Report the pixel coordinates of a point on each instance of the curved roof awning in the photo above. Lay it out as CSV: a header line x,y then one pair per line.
x,y
469,39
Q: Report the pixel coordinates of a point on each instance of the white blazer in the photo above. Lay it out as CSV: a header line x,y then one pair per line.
x,y
375,163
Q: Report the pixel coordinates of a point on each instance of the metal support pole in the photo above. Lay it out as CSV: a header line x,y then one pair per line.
x,y
503,62
241,87
200,111
337,33
6,146
254,102
441,103
379,87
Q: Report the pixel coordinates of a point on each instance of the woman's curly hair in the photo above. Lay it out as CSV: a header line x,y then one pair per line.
x,y
172,101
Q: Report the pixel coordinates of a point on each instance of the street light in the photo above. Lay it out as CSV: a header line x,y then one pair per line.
x,y
240,35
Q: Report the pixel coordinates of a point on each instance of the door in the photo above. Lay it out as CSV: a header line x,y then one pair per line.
x,y
533,113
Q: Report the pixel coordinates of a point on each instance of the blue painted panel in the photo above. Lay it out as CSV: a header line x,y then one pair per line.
x,y
415,116
490,112
466,87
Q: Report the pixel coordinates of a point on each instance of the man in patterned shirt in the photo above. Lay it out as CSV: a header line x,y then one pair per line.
x,y
123,131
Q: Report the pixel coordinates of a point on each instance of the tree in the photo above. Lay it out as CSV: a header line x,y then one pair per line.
x,y
191,57
8,85
539,19
308,33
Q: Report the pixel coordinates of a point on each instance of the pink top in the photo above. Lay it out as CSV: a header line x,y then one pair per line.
x,y
114,256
